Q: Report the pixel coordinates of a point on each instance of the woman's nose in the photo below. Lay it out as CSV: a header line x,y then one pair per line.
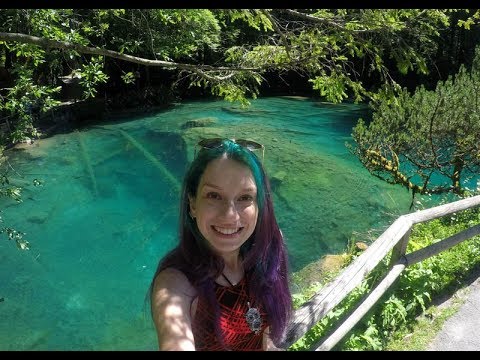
x,y
230,208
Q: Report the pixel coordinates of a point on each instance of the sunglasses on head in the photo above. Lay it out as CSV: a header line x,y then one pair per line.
x,y
214,143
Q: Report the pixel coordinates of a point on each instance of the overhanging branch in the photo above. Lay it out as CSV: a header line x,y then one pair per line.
x,y
48,43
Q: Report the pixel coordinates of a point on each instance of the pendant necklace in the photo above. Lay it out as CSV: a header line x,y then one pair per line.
x,y
252,316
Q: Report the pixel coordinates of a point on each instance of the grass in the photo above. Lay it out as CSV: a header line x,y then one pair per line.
x,y
426,328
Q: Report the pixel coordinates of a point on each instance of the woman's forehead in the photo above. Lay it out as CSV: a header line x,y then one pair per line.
x,y
223,171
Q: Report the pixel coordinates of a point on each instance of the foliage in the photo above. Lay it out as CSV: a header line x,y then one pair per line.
x,y
472,20
23,102
91,75
428,141
181,33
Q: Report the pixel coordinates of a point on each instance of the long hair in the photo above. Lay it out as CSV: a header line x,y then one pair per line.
x,y
264,253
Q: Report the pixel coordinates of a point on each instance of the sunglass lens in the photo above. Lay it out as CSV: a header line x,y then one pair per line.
x,y
250,145
210,143
217,142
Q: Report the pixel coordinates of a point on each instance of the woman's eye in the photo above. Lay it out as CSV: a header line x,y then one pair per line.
x,y
213,195
246,198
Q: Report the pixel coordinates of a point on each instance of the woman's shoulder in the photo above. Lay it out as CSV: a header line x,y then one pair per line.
x,y
174,280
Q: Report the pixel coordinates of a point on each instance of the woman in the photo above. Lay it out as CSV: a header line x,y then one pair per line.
x,y
225,286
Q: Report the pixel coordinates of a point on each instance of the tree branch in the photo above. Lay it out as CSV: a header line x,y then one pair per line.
x,y
277,30
48,43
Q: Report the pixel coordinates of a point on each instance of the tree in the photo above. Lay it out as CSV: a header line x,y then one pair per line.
x,y
323,44
428,141
228,52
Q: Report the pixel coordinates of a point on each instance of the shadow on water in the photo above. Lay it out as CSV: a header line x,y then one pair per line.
x,y
107,206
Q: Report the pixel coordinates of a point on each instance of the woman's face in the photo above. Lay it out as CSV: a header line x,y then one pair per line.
x,y
225,207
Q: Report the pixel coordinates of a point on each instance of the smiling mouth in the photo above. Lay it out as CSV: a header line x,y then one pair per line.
x,y
227,231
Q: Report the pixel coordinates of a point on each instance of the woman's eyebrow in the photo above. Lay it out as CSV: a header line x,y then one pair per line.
x,y
212,186
247,189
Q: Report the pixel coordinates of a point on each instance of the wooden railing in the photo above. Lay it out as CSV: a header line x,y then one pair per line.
x,y
394,239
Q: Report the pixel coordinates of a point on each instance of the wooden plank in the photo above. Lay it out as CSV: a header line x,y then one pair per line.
x,y
445,244
327,298
399,249
446,209
348,324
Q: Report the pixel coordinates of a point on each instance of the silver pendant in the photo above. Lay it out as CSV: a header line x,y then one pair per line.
x,y
253,318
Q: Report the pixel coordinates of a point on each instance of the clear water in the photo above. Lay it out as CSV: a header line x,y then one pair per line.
x,y
108,204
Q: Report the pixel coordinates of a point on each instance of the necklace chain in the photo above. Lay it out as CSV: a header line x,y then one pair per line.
x,y
226,278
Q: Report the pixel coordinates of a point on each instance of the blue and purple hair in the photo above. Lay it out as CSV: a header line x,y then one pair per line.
x,y
264,254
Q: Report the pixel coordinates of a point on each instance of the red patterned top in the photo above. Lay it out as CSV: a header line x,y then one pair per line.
x,y
237,334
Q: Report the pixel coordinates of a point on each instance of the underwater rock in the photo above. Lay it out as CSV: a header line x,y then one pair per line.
x,y
202,122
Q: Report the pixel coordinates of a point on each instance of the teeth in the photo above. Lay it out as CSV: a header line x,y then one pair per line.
x,y
226,231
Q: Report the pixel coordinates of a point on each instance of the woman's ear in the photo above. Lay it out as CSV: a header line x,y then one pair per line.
x,y
191,203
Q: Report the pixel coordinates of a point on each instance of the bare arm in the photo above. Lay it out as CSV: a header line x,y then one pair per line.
x,y
268,344
266,340
171,299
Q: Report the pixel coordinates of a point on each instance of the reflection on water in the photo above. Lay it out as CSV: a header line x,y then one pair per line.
x,y
107,209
